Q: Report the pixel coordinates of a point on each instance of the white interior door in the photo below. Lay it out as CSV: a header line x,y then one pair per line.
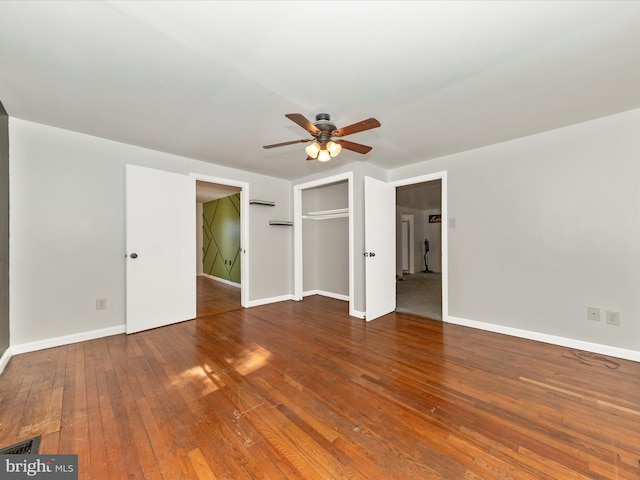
x,y
161,248
380,247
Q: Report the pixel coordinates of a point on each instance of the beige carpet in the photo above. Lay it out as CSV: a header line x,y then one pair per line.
x,y
420,294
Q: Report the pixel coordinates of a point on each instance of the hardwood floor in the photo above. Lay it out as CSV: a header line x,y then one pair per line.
x,y
216,297
300,390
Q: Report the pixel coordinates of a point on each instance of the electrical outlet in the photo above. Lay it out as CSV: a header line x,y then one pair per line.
x,y
101,304
613,318
593,313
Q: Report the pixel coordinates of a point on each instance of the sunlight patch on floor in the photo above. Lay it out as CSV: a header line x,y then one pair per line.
x,y
209,381
250,360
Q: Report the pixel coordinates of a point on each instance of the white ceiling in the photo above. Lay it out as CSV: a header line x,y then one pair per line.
x,y
207,192
212,80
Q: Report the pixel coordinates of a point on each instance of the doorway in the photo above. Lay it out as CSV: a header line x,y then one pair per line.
x,y
230,257
161,230
322,214
218,252
419,277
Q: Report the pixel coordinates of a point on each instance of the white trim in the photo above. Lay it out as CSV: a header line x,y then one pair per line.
x,y
545,338
4,360
221,280
337,296
357,314
444,217
322,213
298,293
327,214
325,217
265,301
67,339
410,218
244,229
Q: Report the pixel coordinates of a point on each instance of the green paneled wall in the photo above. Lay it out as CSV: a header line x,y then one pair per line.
x,y
221,238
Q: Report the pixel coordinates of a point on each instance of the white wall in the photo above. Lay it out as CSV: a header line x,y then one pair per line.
x,y
67,229
416,239
545,226
333,251
326,242
309,242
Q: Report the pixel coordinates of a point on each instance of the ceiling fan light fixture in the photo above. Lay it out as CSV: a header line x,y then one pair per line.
x,y
334,148
323,148
313,150
324,156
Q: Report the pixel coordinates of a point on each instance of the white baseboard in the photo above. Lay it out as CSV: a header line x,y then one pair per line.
x,y
545,338
324,293
4,360
265,301
66,340
337,296
221,280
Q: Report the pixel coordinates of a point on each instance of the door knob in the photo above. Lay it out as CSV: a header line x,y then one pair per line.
x,y
134,255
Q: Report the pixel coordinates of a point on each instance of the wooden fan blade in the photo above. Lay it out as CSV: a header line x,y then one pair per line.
x,y
292,142
356,147
304,123
367,124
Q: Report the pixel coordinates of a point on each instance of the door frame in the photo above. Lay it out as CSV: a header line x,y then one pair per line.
x,y
442,176
244,228
297,234
409,244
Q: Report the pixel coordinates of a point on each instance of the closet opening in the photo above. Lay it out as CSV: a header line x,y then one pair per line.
x,y
323,238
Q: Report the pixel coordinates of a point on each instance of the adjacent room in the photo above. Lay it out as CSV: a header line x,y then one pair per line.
x,y
320,240
419,249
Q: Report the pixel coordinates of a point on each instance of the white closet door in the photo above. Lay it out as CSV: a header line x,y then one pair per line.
x,y
380,248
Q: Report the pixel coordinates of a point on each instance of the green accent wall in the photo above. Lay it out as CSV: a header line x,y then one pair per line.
x,y
221,238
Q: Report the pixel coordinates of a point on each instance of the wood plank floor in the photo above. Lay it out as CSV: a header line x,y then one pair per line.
x,y
216,297
300,390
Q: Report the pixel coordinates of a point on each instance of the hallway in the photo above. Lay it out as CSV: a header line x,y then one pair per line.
x,y
420,294
216,297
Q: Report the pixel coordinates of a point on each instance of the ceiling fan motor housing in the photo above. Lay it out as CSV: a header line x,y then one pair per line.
x,y
324,124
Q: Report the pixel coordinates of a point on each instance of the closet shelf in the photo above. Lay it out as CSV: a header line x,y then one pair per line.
x,y
327,214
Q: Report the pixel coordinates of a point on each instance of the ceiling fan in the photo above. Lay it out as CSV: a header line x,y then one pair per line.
x,y
322,130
